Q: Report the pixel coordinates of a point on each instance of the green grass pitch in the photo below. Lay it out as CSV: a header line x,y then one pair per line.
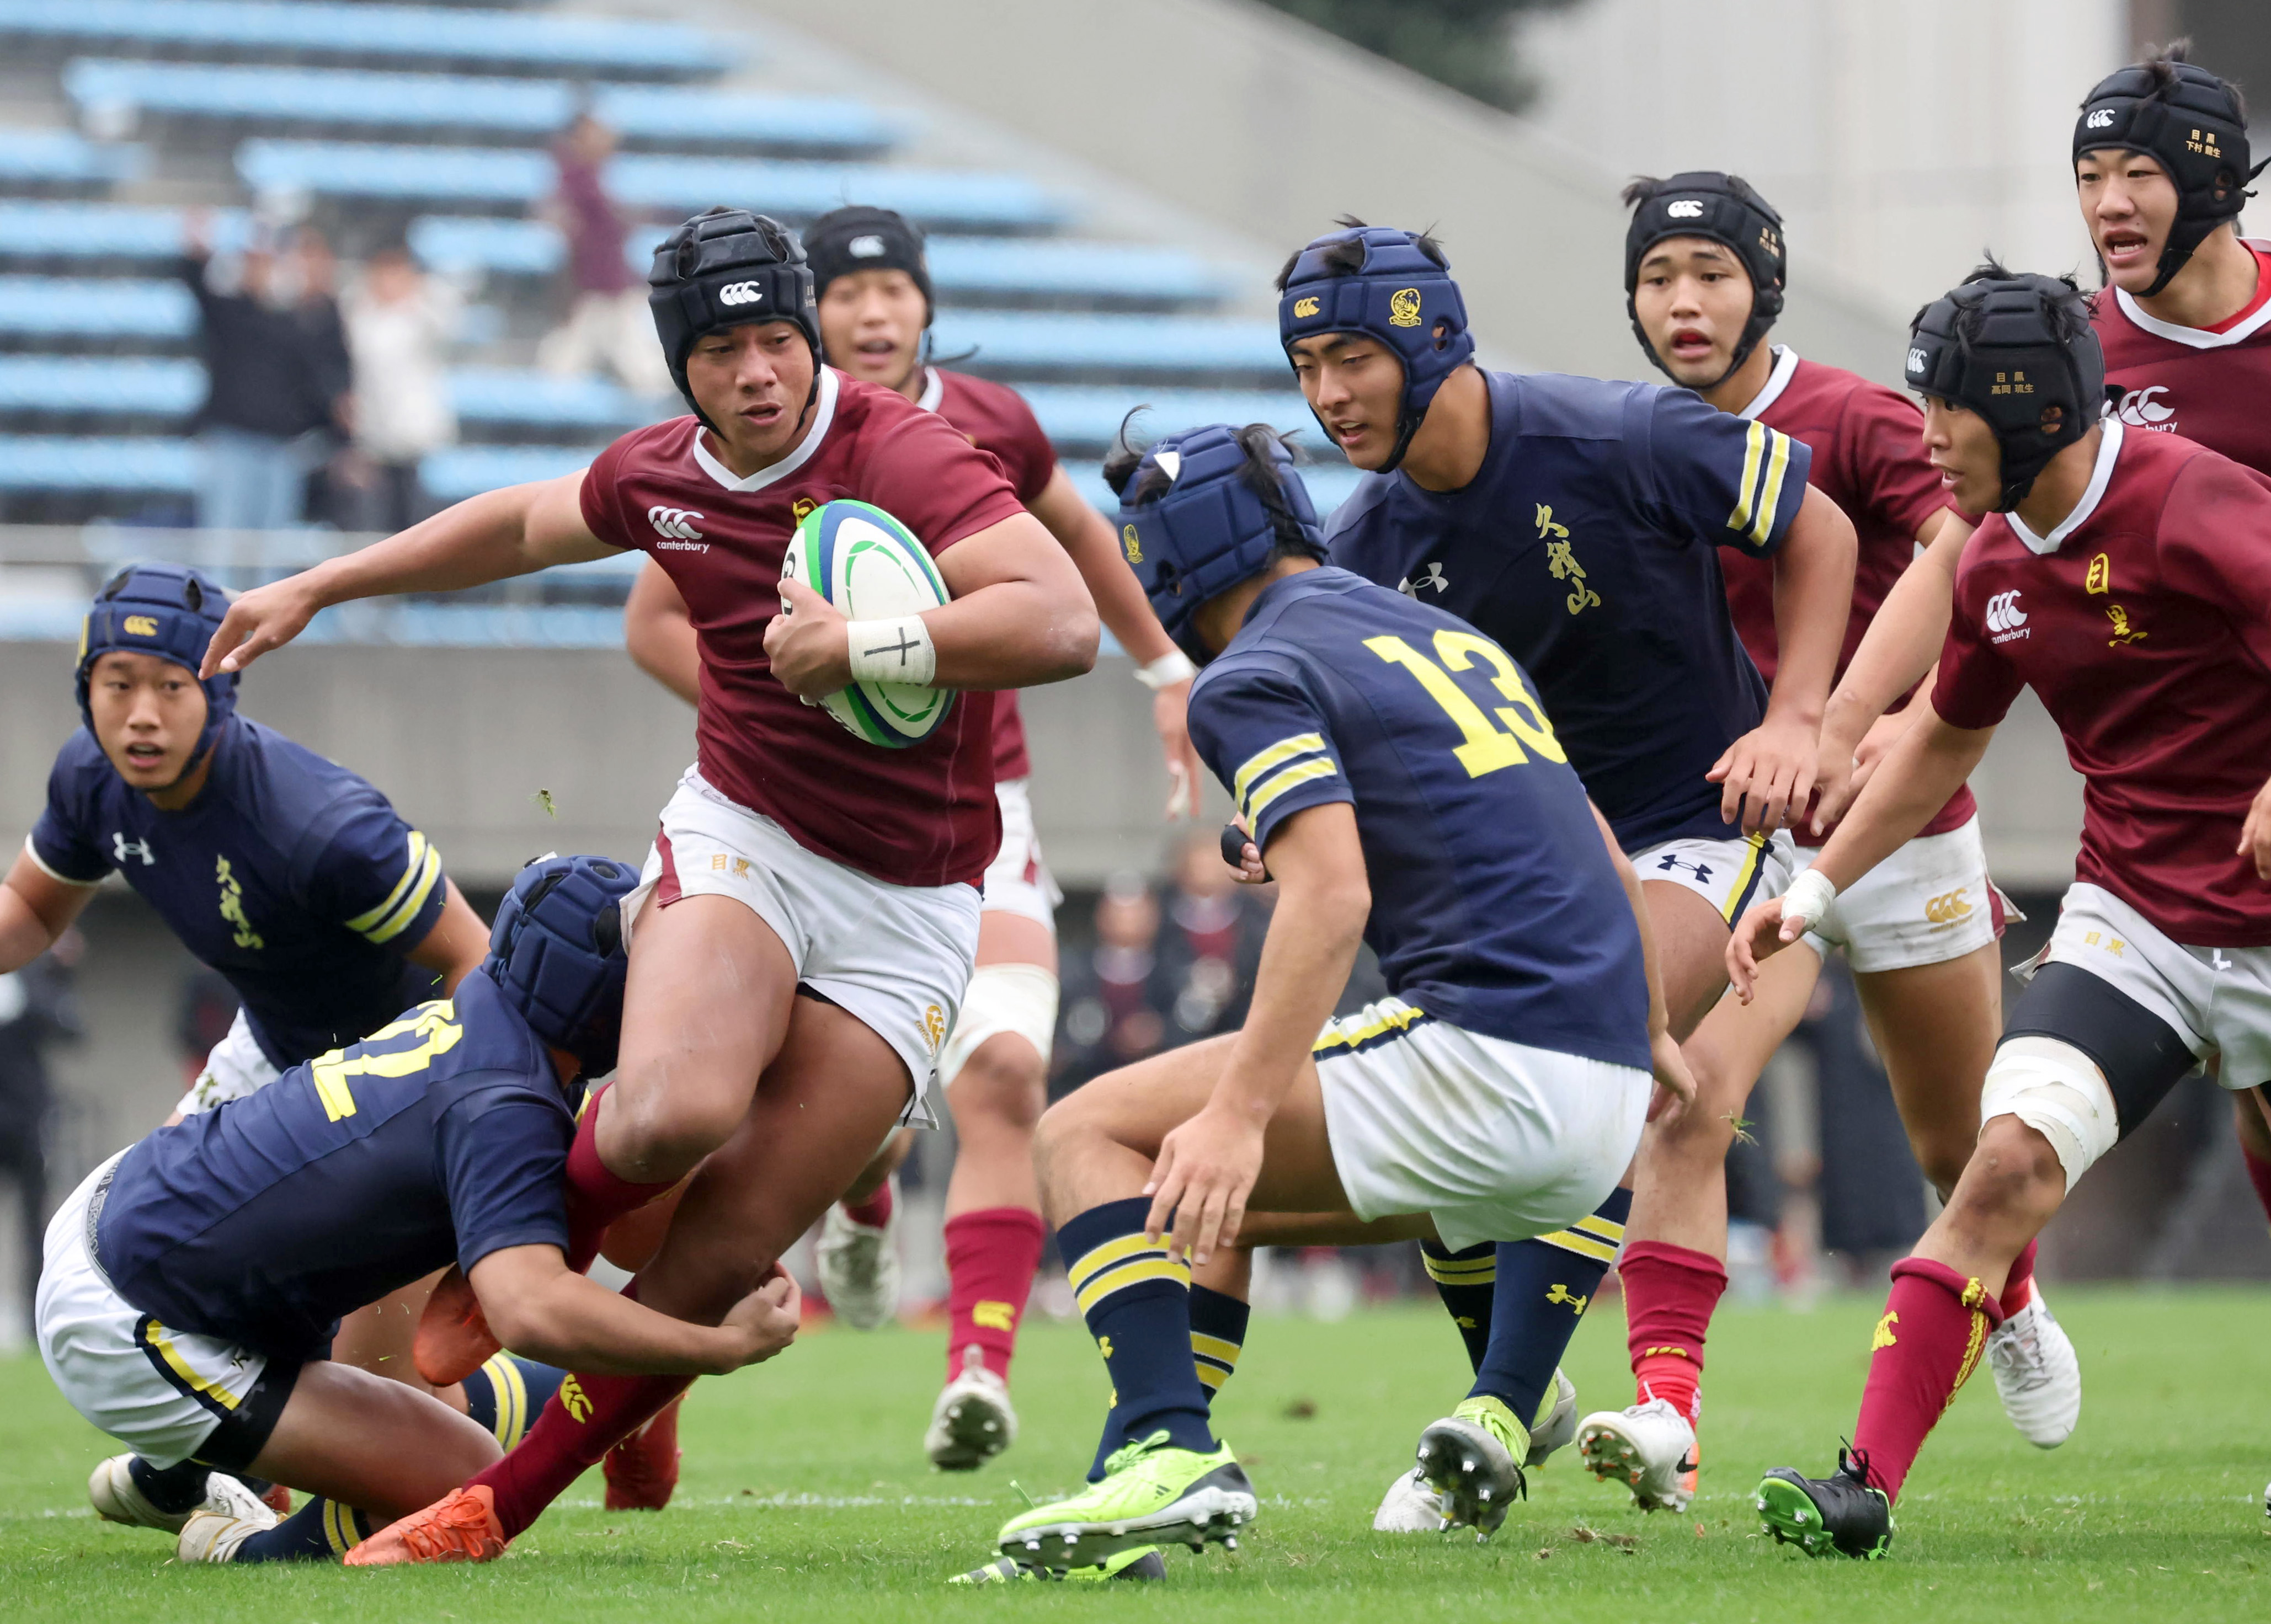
x,y
806,1497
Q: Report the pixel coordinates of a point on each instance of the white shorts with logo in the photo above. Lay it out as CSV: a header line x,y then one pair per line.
x,y
233,1068
1729,874
896,957
1011,998
1929,902
158,1390
1018,880
1496,1140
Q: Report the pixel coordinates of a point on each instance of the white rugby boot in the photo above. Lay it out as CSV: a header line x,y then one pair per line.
x,y
1556,1425
2037,1374
1649,1448
117,1498
858,1269
974,1419
215,1536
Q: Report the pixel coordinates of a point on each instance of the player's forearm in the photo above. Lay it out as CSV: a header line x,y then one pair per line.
x,y
1813,599
660,637
1014,635
1929,764
24,935
1659,1018
481,539
1902,641
454,947
578,1324
1087,541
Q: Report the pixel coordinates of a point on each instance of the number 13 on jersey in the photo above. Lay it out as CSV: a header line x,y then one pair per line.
x,y
1486,748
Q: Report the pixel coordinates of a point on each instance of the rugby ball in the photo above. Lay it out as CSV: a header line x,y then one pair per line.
x,y
870,567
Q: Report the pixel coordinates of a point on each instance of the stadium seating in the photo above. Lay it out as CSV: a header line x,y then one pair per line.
x,y
68,229
86,386
74,463
1033,341
62,158
96,307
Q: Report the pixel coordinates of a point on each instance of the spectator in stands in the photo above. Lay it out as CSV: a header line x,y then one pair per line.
x,y
310,284
36,1009
399,322
272,382
1116,997
609,326
1210,944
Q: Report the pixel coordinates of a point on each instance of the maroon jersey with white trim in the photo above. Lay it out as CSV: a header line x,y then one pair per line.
x,y
2210,386
995,418
1868,458
921,816
2143,622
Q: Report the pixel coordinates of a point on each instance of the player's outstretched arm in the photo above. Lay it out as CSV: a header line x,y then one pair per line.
x,y
537,1308
514,532
1206,1168
659,633
1672,1076
1768,772
454,947
35,909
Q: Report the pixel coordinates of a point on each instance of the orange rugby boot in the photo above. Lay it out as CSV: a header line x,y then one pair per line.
x,y
453,1338
462,1526
642,1470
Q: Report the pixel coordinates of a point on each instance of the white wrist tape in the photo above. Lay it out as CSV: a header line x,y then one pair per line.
x,y
1166,671
895,650
1810,897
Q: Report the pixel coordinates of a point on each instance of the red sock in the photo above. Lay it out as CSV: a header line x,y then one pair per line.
x,y
1670,1292
2018,1286
990,1259
587,1417
597,1198
1935,1326
2259,1174
875,1211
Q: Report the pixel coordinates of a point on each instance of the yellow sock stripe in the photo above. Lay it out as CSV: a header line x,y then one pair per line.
x,y
338,1528
1261,761
1266,793
1777,465
1096,1260
1223,1353
1584,1245
1606,1228
365,921
511,1399
1754,453
1479,1271
1211,1377
154,1335
1134,1273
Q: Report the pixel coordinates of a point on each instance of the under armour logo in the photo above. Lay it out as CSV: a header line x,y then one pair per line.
x,y
1562,1293
122,849
2216,959
2004,614
674,523
1685,209
1672,860
741,293
1432,576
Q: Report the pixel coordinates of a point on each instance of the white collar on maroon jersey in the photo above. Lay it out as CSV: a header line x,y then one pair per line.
x,y
2101,475
2197,337
1785,368
823,413
934,388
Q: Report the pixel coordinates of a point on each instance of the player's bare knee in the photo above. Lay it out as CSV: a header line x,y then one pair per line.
x,y
2014,1174
1002,1088
659,1127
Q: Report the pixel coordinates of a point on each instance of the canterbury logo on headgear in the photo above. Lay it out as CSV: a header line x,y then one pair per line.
x,y
1919,363
741,293
1684,209
864,247
141,625
1303,309
674,523
2099,120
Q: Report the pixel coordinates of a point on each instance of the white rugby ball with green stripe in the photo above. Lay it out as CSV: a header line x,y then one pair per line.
x,y
871,567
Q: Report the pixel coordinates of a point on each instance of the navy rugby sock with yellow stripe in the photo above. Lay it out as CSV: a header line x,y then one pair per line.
x,y
1217,1336
172,1489
509,1392
1463,1279
321,1530
1137,1303
1543,1288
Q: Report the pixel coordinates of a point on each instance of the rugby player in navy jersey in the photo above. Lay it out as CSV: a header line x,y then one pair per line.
x,y
193,1282
1379,750
1577,523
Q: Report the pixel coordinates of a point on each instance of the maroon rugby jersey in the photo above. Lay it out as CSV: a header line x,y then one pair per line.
x,y
2211,386
2144,624
995,418
921,816
1868,458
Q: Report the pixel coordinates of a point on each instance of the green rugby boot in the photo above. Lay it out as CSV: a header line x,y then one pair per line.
x,y
1472,1459
1153,1493
1141,1561
1842,1515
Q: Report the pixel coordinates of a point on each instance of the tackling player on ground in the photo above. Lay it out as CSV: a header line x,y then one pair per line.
x,y
1378,750
872,288
808,915
1577,523
2125,577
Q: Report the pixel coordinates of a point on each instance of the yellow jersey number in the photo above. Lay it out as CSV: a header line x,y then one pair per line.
x,y
434,1026
1486,748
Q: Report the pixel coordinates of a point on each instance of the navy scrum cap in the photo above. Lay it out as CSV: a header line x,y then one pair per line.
x,y
1994,345
1381,283
2190,122
170,611
557,954
858,238
727,268
1211,526
1724,207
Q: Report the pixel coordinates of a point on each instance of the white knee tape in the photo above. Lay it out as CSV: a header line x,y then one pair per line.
x,y
1020,998
2058,1091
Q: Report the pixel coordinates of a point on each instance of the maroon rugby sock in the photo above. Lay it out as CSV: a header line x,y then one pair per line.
x,y
2019,1285
2259,1174
596,1196
1669,1295
876,1210
1935,1325
990,1259
587,1417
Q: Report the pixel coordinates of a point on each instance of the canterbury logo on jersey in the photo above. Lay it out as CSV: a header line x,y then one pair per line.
x,y
1765,465
2005,618
675,524
1267,774
741,293
2142,409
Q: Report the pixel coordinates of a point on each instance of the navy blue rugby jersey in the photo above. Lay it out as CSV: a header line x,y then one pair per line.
x,y
439,1138
1494,903
1587,546
288,874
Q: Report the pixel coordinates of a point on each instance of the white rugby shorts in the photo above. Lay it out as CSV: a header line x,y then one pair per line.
x,y
1929,902
1018,880
235,1068
1729,874
896,957
159,1392
1495,1140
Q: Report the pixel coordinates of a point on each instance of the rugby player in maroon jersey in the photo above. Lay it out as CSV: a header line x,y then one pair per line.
x,y
872,284
1705,271
808,915
2125,577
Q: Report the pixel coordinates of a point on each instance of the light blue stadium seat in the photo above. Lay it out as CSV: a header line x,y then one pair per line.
x,y
60,230
120,387
74,463
495,246
468,470
353,169
419,33
1330,484
525,106
64,158
1128,344
95,308
525,396
1091,416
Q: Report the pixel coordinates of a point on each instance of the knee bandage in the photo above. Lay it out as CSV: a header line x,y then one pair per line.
x,y
1019,998
2058,1091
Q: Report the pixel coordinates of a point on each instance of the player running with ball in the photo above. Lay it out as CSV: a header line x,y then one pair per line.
x,y
873,293
1379,750
2125,577
808,915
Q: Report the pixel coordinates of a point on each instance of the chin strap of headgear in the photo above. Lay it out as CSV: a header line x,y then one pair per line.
x,y
1213,525
2038,391
167,610
1706,203
1399,296
729,268
2187,121
558,953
